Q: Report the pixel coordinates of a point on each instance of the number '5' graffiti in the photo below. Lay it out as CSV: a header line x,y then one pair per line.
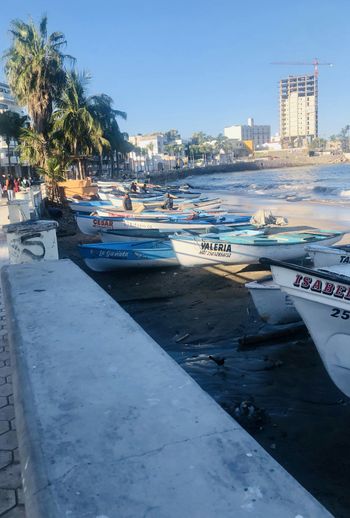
x,y
336,313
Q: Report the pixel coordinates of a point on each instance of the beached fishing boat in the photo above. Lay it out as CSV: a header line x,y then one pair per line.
x,y
146,200
103,257
149,234
322,297
328,255
273,305
92,225
88,206
131,234
186,213
176,224
247,249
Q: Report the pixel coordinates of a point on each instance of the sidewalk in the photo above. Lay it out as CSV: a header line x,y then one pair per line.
x,y
11,494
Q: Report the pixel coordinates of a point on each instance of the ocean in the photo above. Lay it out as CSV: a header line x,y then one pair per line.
x,y
328,183
317,196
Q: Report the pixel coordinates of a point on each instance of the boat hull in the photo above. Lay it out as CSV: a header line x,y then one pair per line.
x,y
273,305
88,208
119,236
328,256
92,225
104,258
200,252
326,313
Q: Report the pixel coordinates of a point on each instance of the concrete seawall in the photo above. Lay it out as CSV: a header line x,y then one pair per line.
x,y
109,426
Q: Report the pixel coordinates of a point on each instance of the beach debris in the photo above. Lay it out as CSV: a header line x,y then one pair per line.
x,y
219,361
181,338
249,415
280,334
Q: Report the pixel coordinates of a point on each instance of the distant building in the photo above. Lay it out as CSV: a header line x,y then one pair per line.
x,y
7,102
153,142
298,110
258,134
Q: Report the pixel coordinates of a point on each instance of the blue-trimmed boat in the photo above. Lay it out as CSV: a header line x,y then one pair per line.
x,y
88,206
104,257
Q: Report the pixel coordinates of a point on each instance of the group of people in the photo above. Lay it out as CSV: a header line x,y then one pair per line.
x,y
11,185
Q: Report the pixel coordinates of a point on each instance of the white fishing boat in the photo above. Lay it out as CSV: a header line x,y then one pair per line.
x,y
328,255
92,225
175,224
146,201
322,297
131,234
210,205
247,249
136,234
273,305
104,257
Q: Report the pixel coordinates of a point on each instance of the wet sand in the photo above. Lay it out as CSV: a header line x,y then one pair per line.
x,y
299,416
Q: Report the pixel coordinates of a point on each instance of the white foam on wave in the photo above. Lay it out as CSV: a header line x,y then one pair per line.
x,y
345,193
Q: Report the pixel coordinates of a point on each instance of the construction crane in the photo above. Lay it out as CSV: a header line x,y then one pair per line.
x,y
315,63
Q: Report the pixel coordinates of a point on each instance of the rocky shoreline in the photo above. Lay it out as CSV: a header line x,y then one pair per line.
x,y
259,164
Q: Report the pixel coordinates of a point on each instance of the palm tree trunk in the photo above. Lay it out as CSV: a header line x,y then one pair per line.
x,y
112,163
100,166
117,160
80,169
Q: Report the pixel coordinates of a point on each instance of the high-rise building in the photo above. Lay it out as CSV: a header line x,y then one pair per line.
x,y
258,133
298,109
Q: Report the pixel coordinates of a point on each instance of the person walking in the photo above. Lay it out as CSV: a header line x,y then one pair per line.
x,y
10,188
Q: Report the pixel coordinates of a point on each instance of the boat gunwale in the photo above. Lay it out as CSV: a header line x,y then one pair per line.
x,y
322,272
259,242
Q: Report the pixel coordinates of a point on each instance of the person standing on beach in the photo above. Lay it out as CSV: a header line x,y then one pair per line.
x,y
127,203
16,187
9,188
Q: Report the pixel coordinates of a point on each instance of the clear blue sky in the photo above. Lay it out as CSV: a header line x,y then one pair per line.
x,y
199,64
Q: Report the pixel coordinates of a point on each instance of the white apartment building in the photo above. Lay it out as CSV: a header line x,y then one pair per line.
x,y
298,109
153,142
7,102
258,133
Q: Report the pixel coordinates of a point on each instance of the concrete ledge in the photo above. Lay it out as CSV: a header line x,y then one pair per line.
x,y
110,426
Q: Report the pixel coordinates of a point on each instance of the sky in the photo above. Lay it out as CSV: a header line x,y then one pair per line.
x,y
200,65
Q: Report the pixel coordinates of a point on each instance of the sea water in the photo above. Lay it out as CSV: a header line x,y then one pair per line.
x,y
318,183
315,195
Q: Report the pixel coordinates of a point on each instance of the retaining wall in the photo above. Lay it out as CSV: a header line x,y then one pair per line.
x,y
110,426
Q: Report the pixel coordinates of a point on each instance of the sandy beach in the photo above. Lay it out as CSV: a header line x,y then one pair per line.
x,y
298,416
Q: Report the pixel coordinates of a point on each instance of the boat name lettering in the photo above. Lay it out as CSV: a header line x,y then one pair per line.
x,y
215,247
326,287
113,253
102,223
345,258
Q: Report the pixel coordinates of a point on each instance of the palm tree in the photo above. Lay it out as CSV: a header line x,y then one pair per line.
x,y
11,124
73,123
35,71
101,108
